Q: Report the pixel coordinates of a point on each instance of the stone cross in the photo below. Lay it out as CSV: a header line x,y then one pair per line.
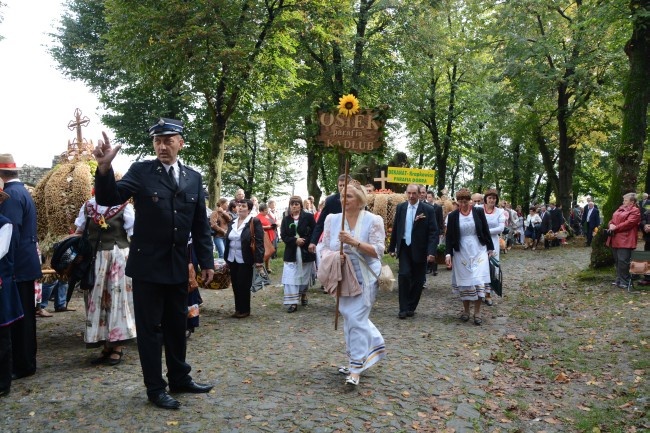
x,y
382,179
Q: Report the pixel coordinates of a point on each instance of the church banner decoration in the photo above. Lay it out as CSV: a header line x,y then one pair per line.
x,y
411,175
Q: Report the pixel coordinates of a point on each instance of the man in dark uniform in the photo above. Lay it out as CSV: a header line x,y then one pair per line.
x,y
21,211
413,240
169,205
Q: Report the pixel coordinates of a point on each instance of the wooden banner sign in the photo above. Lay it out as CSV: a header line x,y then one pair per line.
x,y
356,133
411,175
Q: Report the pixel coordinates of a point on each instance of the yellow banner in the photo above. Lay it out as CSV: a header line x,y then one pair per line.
x,y
411,175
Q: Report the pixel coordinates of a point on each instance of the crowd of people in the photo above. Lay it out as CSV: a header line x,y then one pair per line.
x,y
151,230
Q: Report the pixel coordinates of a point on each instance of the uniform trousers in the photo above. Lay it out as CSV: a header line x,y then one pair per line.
x,y
411,278
161,319
23,332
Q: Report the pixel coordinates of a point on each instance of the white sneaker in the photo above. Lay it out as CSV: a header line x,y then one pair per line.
x,y
352,381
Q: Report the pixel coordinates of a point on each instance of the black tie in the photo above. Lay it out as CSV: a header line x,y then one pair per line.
x,y
172,177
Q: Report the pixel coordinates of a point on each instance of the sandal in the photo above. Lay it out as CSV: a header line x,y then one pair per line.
x,y
115,361
478,321
292,308
303,300
489,302
102,358
344,370
464,317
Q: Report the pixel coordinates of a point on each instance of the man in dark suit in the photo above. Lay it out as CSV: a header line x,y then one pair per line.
x,y
545,215
590,219
21,211
169,205
437,210
332,206
556,221
413,241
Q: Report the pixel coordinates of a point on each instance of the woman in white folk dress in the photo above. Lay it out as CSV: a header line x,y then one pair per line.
x,y
363,240
469,246
295,231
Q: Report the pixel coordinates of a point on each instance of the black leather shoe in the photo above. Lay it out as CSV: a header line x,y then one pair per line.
x,y
192,387
410,313
402,315
4,392
165,401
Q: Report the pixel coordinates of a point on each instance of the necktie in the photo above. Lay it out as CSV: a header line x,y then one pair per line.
x,y
172,177
409,224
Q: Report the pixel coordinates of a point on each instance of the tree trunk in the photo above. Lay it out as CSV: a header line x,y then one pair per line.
x,y
516,173
567,151
629,155
313,162
217,153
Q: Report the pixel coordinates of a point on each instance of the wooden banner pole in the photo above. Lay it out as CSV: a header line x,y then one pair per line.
x,y
343,202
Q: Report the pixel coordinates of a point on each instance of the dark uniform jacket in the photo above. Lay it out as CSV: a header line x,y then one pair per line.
x,y
424,234
21,211
164,219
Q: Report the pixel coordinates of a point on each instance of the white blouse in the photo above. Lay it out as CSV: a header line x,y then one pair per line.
x,y
234,240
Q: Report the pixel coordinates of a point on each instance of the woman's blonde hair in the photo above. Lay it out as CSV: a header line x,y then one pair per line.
x,y
360,193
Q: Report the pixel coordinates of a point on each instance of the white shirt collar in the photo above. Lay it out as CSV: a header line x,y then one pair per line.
x,y
175,165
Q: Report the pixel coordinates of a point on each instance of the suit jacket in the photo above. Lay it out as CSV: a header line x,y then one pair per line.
x,y
306,225
424,234
556,219
332,205
594,218
440,221
164,219
21,211
245,238
546,222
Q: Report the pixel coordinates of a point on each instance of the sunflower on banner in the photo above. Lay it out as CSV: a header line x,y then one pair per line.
x,y
348,105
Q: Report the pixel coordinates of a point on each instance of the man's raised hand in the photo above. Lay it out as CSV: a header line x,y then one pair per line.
x,y
105,153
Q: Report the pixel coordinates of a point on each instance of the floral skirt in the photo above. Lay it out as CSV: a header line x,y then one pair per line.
x,y
109,305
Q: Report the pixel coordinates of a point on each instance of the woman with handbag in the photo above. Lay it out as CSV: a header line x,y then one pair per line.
x,y
363,239
496,218
110,319
219,220
469,246
244,250
295,231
